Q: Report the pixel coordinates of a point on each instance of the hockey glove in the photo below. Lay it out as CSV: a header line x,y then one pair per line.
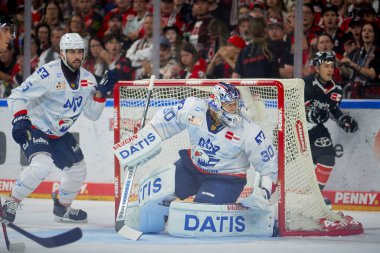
x,y
107,83
21,128
318,116
348,124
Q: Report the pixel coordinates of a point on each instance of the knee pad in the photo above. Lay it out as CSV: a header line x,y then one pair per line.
x,y
71,182
154,190
40,167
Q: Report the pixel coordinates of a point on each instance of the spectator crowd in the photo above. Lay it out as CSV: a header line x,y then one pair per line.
x,y
202,39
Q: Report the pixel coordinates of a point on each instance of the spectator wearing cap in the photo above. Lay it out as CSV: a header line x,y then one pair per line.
x,y
330,27
114,58
281,49
141,50
256,60
257,10
193,66
92,20
134,23
224,61
175,39
169,68
115,27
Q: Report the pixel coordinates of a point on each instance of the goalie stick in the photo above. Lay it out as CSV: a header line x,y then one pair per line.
x,y
18,247
120,225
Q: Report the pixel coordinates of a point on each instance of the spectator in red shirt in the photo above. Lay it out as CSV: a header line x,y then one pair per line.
x,y
193,66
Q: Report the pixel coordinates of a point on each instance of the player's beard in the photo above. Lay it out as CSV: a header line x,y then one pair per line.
x,y
75,65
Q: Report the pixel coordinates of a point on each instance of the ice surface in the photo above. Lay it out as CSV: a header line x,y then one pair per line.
x,y
99,235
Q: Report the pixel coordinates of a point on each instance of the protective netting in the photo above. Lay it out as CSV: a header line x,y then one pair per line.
x,y
277,105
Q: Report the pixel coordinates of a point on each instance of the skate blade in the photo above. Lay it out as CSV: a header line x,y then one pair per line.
x,y
65,220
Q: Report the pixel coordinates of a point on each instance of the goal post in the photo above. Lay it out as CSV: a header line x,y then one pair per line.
x,y
276,105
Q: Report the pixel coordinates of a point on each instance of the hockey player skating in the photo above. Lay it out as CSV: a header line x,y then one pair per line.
x,y
224,144
322,98
6,31
44,107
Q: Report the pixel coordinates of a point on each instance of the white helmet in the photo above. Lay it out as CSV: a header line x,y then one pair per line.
x,y
71,41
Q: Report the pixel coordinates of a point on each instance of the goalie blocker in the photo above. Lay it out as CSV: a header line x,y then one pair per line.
x,y
138,148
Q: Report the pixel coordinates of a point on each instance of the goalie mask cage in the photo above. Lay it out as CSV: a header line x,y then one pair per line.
x,y
277,105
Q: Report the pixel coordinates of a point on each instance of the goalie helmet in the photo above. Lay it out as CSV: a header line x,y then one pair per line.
x,y
71,41
226,93
7,21
321,57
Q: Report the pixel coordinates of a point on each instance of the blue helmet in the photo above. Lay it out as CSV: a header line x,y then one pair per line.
x,y
226,93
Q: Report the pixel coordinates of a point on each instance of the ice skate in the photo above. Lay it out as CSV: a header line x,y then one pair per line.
x,y
66,213
9,210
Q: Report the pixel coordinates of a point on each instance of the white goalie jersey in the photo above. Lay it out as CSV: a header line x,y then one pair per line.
x,y
62,105
218,150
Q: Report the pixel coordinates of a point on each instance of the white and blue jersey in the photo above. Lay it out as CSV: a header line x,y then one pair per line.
x,y
52,105
218,149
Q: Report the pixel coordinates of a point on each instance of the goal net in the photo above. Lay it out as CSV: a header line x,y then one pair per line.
x,y
277,105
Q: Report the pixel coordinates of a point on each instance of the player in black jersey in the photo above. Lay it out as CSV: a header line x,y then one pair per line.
x,y
322,99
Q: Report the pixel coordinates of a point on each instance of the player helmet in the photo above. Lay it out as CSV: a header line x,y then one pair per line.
x,y
226,93
7,21
321,57
71,41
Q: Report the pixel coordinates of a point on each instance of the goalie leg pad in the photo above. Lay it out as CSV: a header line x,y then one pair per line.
x,y
205,220
158,187
71,182
40,167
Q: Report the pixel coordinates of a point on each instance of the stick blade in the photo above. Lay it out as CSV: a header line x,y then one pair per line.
x,y
18,247
68,237
130,233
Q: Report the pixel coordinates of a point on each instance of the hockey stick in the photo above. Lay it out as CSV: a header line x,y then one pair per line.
x,y
120,226
49,242
11,247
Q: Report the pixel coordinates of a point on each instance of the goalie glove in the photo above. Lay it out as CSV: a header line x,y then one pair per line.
x,y
259,199
318,116
348,124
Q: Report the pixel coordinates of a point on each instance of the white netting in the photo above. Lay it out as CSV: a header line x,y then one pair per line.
x,y
304,204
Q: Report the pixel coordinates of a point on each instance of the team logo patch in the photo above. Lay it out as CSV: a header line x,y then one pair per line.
x,y
60,85
336,96
194,120
260,137
233,137
84,83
